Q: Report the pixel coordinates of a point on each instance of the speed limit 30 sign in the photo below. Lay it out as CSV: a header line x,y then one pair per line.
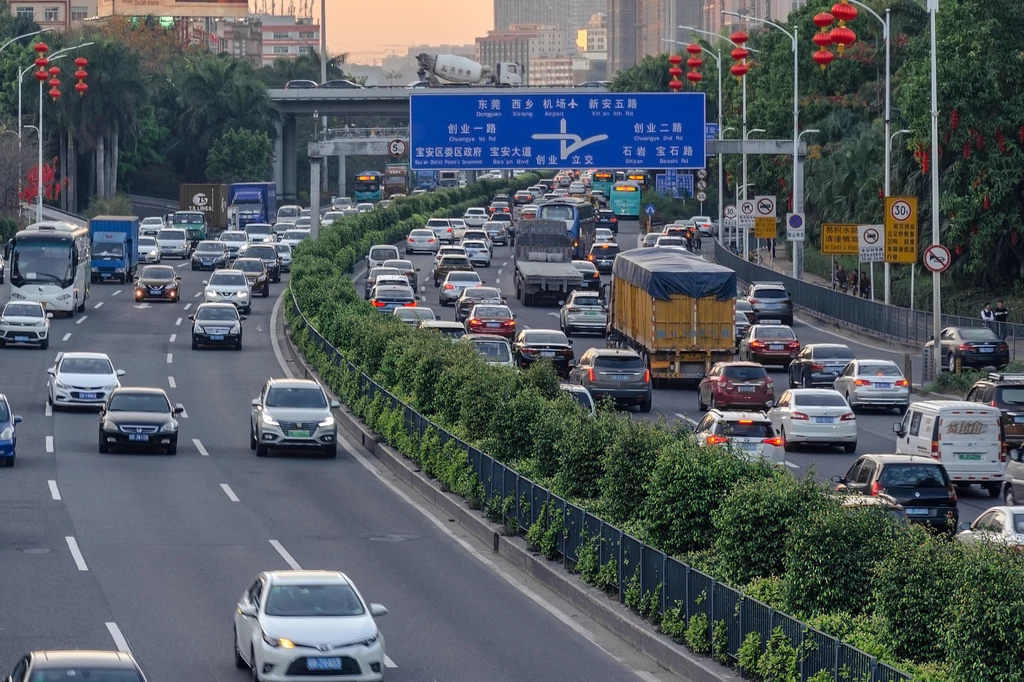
x,y
901,229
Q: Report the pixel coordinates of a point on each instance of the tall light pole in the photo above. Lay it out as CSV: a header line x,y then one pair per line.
x,y
718,61
24,35
798,193
913,266
933,9
746,230
721,219
798,178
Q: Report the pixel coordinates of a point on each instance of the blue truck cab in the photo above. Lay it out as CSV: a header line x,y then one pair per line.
x,y
251,202
115,250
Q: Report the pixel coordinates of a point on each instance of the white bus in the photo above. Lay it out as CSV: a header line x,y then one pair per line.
x,y
51,263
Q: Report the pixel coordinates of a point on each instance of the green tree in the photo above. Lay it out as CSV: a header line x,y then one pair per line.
x,y
239,156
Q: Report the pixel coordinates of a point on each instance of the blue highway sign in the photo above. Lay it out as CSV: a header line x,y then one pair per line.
x,y
649,209
652,131
711,131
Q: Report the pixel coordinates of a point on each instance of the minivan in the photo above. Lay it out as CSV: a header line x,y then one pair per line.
x,y
966,438
380,253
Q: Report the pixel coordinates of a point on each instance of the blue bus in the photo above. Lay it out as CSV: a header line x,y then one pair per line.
x,y
426,180
580,220
369,186
625,200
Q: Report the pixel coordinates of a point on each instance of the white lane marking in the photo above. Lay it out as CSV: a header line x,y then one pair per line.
x,y
181,265
49,409
184,414
505,263
187,306
200,448
554,314
791,465
499,271
644,675
170,358
388,663
98,305
82,319
119,640
177,322
49,443
54,491
497,280
66,336
288,558
76,553
116,292
198,294
170,382
229,492
173,337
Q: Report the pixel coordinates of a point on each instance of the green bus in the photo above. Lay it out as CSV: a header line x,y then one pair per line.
x,y
602,181
625,200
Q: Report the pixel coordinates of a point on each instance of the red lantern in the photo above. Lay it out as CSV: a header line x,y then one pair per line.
x,y
740,53
823,39
954,119
675,85
694,48
81,88
842,37
926,163
967,150
739,70
694,62
823,58
823,19
694,77
81,62
54,83
675,60
41,48
844,11
54,71
81,75
675,72
54,93
740,37
42,62
41,75
959,250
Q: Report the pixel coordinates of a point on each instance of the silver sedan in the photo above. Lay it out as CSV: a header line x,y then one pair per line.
x,y
874,383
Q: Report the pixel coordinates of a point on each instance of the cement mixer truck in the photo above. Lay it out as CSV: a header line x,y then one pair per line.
x,y
448,70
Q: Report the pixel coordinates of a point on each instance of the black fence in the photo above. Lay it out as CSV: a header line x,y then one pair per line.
x,y
890,321
677,584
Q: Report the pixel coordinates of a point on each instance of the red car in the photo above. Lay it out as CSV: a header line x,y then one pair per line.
x,y
492,319
770,344
736,385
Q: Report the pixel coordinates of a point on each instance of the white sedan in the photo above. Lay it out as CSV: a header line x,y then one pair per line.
x,y
603,235
814,416
149,250
874,383
308,625
81,379
477,252
25,322
150,226
475,217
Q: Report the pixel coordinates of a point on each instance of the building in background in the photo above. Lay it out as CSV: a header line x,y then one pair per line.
x,y
622,35
639,28
505,46
528,44
593,42
508,13
242,39
56,14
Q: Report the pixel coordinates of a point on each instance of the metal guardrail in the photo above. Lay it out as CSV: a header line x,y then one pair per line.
x,y
892,322
677,584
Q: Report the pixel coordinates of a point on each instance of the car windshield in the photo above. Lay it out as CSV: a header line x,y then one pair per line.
x,y
262,252
583,399
172,235
741,318
23,310
414,313
86,366
980,334
618,362
380,272
463,276
382,253
451,332
257,228
604,250
546,338
671,241
493,351
219,313
453,261
747,428
233,237
745,373
281,396
307,601
493,312
886,370
770,293
5,411
138,402
147,241
437,222
188,218
283,249
399,265
90,674
481,293
743,305
913,476
833,354
478,246
592,301
295,234
584,266
161,272
209,247
225,280
107,250
556,212
819,400
778,333
1018,523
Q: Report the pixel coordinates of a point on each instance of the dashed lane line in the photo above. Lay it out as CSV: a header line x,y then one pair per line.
x,y
184,414
54,490
98,305
288,558
187,306
229,492
200,448
119,639
49,443
82,319
388,663
66,336
177,322
170,382
48,410
173,337
198,294
76,553
117,292
170,358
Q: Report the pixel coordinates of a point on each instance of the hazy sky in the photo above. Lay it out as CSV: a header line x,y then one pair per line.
x,y
361,26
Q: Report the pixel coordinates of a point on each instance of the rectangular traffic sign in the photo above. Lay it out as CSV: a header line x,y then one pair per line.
x,y
901,229
838,239
871,243
795,228
764,217
746,214
557,129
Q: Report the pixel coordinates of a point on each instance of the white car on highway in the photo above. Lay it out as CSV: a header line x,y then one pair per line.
x,y
173,243
421,241
458,227
294,237
329,217
308,625
819,416
874,383
235,240
260,233
25,322
477,252
603,235
289,214
229,286
750,433
81,379
475,217
149,250
150,226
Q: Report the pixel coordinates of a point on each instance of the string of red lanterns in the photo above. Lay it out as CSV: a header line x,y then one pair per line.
x,y
675,72
823,39
694,63
841,35
81,75
740,54
51,76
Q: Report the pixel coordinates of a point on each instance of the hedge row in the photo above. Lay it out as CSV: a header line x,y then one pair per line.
x,y
946,611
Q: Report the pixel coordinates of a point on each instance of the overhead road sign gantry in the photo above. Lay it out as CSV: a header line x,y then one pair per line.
x,y
560,129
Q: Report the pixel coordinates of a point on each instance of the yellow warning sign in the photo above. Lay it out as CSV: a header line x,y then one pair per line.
x,y
764,228
901,229
838,239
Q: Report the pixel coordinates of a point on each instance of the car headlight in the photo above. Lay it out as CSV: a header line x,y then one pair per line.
x,y
198,330
58,384
62,297
169,427
371,640
16,296
119,270
242,294
327,422
267,419
236,330
7,434
281,643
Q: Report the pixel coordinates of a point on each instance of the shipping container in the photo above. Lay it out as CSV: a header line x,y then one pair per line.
x,y
209,199
675,309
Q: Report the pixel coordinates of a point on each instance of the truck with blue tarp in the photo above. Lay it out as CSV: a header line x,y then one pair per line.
x,y
675,309
115,248
251,202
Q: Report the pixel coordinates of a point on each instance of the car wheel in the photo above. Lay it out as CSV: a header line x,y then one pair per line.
x,y
806,380
195,346
993,490
238,346
45,344
239,661
253,668
855,408
850,447
330,451
248,310
645,406
951,363
701,407
712,403
903,409
252,438
262,450
10,461
786,445
266,292
1008,497
103,447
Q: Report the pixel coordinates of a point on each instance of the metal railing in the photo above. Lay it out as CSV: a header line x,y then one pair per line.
x,y
892,322
363,133
677,584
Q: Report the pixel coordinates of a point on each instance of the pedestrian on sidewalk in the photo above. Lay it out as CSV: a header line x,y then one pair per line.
x,y
841,279
988,316
854,281
1002,318
773,249
865,287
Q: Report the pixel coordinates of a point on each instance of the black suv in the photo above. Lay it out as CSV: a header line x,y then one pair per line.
x,y
771,301
919,484
271,261
1005,391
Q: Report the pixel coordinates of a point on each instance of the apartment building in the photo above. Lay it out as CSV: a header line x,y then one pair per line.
x,y
56,14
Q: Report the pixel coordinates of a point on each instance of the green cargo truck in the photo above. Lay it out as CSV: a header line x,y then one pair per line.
x,y
211,200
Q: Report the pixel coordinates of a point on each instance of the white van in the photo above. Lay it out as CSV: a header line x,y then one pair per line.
x,y
380,253
966,438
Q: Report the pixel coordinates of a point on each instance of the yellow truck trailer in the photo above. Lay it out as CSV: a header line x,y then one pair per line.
x,y
675,309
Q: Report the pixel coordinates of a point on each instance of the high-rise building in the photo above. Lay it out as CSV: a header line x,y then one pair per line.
x,y
508,13
622,34
581,11
638,28
506,46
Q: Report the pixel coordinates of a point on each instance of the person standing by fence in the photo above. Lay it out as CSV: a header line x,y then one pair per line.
x,y
1002,318
841,279
854,281
988,316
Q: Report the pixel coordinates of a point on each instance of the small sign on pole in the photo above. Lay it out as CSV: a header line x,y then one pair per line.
x,y
397,148
730,212
795,227
901,229
702,197
764,217
871,242
649,209
936,258
838,239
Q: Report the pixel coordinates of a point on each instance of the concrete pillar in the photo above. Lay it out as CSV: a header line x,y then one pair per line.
x,y
279,157
471,176
290,160
324,175
342,173
314,196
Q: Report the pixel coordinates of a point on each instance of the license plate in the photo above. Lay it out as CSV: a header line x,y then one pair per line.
x,y
323,663
824,420
747,389
493,324
106,275
883,385
87,396
987,350
968,456
155,291
298,434
21,339
916,511
216,337
775,346
1018,420
749,447
594,314
547,353
139,437
620,377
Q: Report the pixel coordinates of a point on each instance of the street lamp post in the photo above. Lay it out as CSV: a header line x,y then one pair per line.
x,y
24,35
888,162
746,230
721,219
933,9
798,198
798,180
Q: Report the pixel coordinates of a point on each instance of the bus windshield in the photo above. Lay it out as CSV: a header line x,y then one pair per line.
x,y
367,185
556,212
42,261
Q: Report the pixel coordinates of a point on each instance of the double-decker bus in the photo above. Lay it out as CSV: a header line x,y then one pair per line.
x,y
602,181
51,262
369,186
639,177
580,222
625,200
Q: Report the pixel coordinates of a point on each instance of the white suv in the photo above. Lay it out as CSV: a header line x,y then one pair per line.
x,y
25,322
475,217
229,286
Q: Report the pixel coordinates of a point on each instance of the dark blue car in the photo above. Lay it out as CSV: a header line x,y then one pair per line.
x,y
606,218
8,437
